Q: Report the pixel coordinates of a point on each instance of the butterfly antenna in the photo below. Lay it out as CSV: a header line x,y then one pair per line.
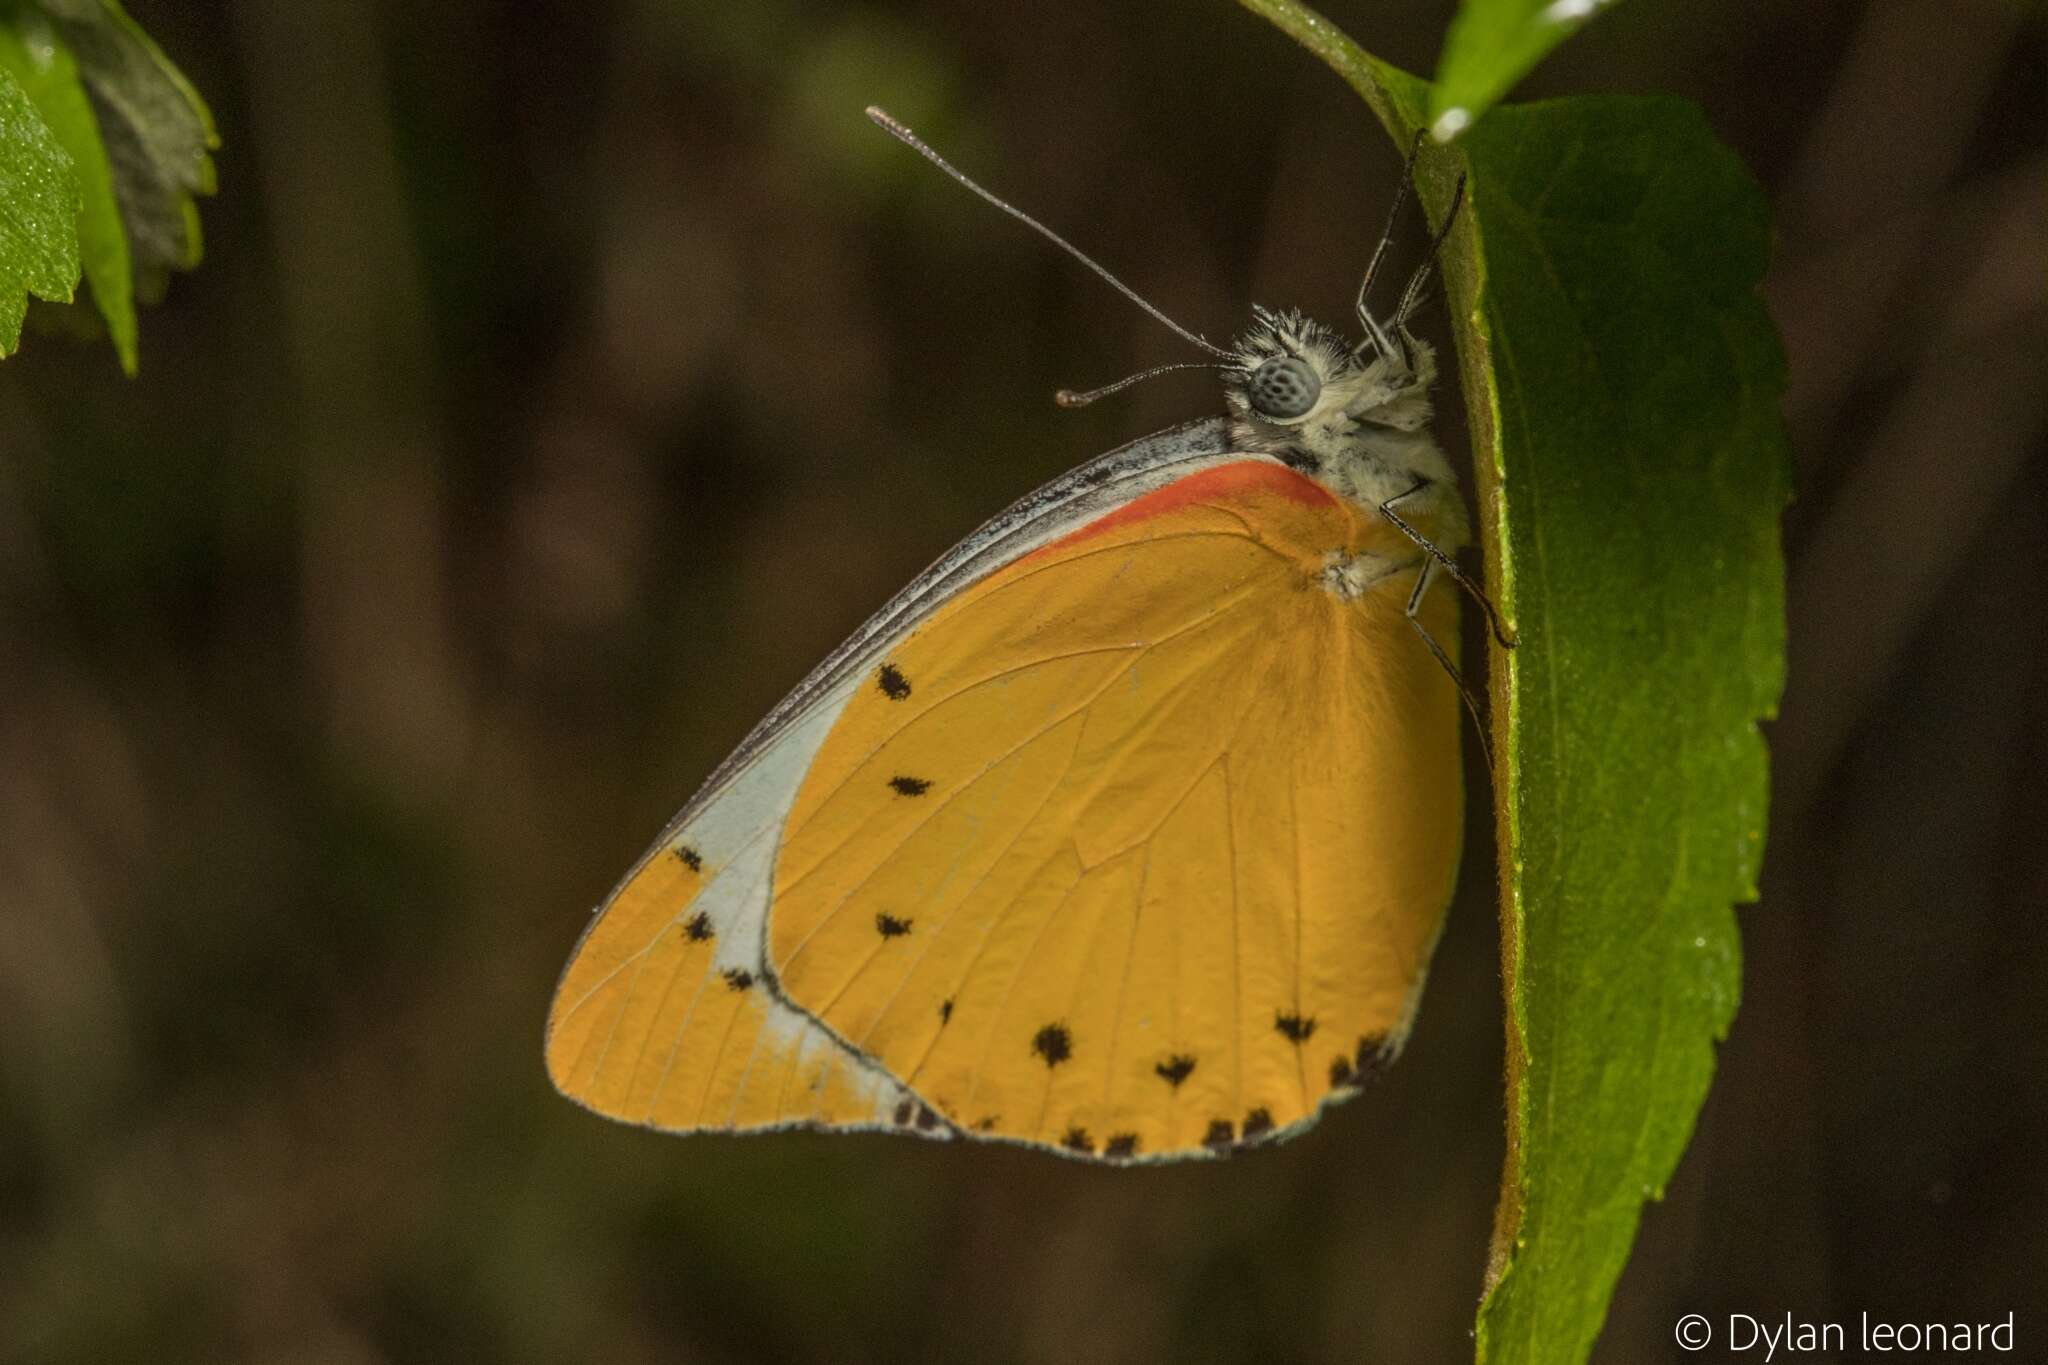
x,y
1067,398
1374,333
917,144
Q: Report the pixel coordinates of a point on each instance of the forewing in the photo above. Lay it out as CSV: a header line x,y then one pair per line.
x,y
667,1014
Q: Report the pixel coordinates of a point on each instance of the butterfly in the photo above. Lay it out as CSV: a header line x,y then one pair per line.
x,y
1125,831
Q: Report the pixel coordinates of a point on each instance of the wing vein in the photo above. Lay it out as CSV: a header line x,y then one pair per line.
x,y
965,690
1236,940
939,807
1024,827
639,954
647,1038
981,1063
661,1082
597,1068
1116,1014
747,1072
1300,895
1081,978
968,688
710,1072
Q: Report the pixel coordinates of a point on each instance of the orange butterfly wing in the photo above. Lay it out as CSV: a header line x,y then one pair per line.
x,y
667,1014
1139,846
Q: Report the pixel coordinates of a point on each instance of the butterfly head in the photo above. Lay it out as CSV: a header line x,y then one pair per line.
x,y
1299,391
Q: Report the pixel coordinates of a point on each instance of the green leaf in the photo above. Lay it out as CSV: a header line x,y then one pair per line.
x,y
156,129
1491,45
1642,466
38,212
34,55
1623,381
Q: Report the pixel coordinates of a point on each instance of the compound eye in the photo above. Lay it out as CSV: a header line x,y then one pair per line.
x,y
1283,388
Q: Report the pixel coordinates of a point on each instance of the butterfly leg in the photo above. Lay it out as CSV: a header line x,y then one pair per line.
x,y
1413,293
1414,610
1458,576
1376,335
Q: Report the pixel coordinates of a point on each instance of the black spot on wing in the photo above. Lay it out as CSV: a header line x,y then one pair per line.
x,y
1293,1027
892,682
1373,1057
1341,1073
891,927
1121,1145
987,1123
1174,1070
699,928
692,859
945,1011
738,978
1077,1140
926,1120
1220,1135
1258,1123
909,786
904,1109
1054,1044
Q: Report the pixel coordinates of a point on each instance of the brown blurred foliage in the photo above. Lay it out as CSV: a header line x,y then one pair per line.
x,y
563,380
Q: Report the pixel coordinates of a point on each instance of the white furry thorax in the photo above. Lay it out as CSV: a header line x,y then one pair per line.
x,y
1366,438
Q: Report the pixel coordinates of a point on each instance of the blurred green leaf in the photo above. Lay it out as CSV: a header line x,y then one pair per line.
x,y
835,73
156,129
1491,45
35,56
1623,380
38,212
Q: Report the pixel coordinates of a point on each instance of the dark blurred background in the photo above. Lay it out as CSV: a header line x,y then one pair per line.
x,y
562,381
